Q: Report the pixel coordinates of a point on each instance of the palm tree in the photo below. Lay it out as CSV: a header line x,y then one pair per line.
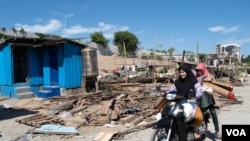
x,y
202,58
171,51
14,31
40,35
22,32
3,30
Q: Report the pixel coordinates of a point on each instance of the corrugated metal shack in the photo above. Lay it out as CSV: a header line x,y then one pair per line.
x,y
40,67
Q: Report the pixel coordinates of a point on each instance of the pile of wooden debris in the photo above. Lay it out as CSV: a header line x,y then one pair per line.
x,y
132,104
127,103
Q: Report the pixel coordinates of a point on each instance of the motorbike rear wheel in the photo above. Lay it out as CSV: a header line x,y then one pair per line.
x,y
161,134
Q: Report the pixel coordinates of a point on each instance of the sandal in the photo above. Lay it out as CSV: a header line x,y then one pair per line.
x,y
196,135
218,135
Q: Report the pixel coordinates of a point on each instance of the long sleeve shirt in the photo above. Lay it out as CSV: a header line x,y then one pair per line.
x,y
197,87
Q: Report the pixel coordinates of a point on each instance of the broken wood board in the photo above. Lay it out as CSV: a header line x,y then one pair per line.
x,y
105,136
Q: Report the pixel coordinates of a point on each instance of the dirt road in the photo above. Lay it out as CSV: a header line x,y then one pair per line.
x,y
228,114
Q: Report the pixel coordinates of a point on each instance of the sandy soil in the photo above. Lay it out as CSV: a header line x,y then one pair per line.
x,y
228,114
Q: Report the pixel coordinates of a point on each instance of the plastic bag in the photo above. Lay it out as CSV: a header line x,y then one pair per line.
x,y
189,110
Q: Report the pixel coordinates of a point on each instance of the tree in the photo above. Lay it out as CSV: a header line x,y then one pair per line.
x,y
202,57
98,37
3,30
22,32
40,35
190,56
129,39
14,31
171,51
3,33
246,59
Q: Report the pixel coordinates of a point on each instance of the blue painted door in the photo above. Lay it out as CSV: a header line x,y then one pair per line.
x,y
54,79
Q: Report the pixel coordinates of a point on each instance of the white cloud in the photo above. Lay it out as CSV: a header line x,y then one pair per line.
x,y
216,29
107,29
237,41
244,40
139,32
52,26
180,40
223,29
38,20
57,26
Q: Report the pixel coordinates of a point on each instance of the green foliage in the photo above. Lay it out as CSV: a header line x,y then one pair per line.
x,y
202,57
129,39
171,50
241,70
14,30
164,69
23,32
246,60
144,56
164,51
190,56
104,86
159,58
151,55
3,36
44,36
3,29
41,35
98,37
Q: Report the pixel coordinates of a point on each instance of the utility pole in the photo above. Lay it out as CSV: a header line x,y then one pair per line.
x,y
124,48
197,47
65,22
154,62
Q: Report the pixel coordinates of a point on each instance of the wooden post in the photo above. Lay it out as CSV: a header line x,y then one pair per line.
x,y
183,55
125,61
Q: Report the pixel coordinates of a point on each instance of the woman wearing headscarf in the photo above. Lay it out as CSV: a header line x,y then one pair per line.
x,y
207,100
187,86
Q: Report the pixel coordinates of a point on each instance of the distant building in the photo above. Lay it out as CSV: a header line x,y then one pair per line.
x,y
225,54
229,53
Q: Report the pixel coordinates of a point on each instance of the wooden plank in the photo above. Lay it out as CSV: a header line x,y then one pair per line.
x,y
127,119
104,136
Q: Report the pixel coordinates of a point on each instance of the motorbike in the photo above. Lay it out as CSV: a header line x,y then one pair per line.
x,y
172,125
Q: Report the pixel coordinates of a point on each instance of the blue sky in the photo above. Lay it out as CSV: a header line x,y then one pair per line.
x,y
157,24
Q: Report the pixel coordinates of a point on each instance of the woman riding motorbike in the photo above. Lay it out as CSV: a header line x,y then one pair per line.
x,y
187,86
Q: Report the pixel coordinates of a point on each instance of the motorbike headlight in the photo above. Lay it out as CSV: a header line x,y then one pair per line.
x,y
171,96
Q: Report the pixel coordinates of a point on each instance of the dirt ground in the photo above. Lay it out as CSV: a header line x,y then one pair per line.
x,y
229,113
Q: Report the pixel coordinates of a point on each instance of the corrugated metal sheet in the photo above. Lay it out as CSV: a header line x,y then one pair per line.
x,y
70,66
46,68
5,65
35,62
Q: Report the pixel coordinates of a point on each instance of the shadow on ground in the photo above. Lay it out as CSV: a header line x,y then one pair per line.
x,y
211,136
9,113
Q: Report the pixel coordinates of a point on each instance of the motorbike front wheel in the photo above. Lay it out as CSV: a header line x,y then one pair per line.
x,y
161,134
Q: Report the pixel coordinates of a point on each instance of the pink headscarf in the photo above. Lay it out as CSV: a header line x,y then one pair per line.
x,y
202,67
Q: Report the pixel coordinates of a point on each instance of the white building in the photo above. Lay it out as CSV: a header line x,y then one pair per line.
x,y
229,52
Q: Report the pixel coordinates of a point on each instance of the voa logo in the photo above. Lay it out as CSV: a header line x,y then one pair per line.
x,y
236,132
